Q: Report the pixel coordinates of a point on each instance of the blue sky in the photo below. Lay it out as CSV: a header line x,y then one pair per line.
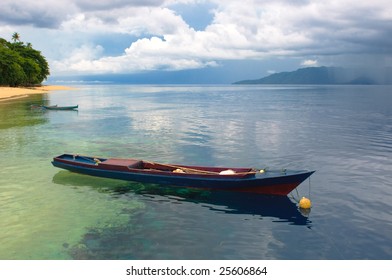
x,y
200,40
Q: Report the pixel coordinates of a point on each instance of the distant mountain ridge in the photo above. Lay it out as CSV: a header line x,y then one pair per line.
x,y
317,76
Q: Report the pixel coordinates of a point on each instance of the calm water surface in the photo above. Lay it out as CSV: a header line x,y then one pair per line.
x,y
343,132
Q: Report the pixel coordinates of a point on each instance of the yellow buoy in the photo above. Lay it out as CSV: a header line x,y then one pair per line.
x,y
305,203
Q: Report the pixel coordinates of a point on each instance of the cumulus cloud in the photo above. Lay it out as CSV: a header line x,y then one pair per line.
x,y
309,63
239,30
80,58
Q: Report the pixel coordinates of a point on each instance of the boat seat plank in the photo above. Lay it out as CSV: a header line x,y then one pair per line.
x,y
130,163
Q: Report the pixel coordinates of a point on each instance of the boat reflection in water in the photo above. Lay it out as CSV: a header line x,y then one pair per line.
x,y
281,207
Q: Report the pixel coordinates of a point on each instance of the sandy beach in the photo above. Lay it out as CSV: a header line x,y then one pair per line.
x,y
11,93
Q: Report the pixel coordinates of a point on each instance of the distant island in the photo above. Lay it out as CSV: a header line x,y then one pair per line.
x,y
320,76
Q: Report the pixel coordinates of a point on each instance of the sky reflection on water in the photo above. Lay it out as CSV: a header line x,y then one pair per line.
x,y
344,132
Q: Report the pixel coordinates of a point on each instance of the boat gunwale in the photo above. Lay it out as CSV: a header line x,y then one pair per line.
x,y
98,163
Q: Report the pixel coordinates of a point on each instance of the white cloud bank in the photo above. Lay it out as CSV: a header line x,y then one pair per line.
x,y
248,29
309,63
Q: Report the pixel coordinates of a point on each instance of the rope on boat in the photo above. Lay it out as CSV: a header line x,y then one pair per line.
x,y
296,199
304,203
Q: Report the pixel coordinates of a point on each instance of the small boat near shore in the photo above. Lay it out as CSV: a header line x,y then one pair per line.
x,y
279,182
56,107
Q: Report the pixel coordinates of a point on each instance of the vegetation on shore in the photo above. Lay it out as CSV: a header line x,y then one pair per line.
x,y
21,64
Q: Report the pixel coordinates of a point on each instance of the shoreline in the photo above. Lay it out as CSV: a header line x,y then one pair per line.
x,y
12,93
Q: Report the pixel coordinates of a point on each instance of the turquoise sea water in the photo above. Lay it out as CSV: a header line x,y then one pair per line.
x,y
343,132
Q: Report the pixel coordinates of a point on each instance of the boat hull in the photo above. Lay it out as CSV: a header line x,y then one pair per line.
x,y
270,182
61,108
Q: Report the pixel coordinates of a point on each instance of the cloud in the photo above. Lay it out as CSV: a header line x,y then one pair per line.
x,y
80,58
143,55
161,37
309,63
115,4
41,14
50,14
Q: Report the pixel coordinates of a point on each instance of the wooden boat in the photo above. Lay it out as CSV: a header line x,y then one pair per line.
x,y
280,182
55,107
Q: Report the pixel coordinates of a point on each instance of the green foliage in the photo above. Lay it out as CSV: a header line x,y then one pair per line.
x,y
20,64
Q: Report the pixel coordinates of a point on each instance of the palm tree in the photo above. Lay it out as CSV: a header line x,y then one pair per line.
x,y
16,37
